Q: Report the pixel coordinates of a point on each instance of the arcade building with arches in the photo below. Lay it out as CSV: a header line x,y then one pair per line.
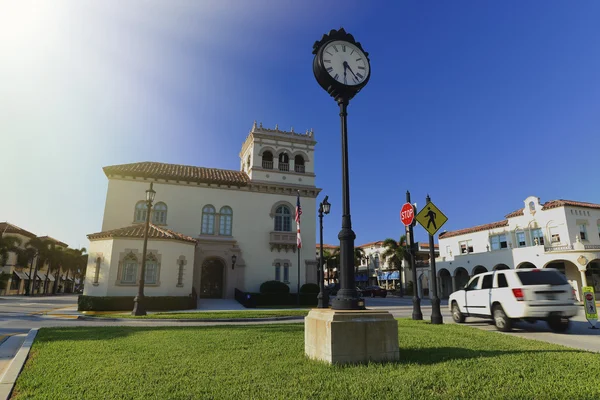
x,y
561,234
212,230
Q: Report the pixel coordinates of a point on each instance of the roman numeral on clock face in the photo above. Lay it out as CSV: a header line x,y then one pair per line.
x,y
329,69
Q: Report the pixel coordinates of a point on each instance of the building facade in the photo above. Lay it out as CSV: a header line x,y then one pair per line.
x,y
17,281
561,234
201,217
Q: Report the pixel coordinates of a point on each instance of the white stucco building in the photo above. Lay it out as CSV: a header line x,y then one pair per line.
x,y
203,216
560,234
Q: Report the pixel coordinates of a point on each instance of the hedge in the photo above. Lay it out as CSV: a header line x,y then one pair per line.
x,y
125,303
310,288
274,287
251,300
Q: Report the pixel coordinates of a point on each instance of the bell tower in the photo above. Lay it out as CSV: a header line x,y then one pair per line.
x,y
283,157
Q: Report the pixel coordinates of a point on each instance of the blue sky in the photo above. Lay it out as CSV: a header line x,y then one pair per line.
x,y
478,103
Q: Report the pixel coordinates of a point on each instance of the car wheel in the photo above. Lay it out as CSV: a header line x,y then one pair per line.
x,y
502,322
457,316
558,324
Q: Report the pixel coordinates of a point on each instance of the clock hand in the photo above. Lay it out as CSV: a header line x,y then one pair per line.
x,y
348,66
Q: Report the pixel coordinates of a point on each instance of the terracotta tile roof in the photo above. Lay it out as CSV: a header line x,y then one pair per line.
x,y
435,246
58,242
516,213
477,228
327,246
178,172
561,203
380,242
137,231
6,227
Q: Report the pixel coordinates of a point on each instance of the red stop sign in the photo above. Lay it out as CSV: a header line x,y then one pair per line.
x,y
407,214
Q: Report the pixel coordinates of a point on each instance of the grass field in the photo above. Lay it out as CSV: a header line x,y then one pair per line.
x,y
212,315
268,362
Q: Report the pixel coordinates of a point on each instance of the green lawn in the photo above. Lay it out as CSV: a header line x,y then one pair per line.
x,y
212,315
268,362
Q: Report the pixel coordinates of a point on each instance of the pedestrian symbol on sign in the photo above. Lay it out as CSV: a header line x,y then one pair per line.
x,y
431,215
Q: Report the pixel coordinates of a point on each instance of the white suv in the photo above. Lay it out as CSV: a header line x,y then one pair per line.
x,y
508,295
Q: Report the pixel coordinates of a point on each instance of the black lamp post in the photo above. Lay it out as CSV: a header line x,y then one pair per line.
x,y
138,302
323,296
342,68
233,260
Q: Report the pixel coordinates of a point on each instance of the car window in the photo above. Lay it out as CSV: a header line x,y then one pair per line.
x,y
474,284
487,282
539,277
502,280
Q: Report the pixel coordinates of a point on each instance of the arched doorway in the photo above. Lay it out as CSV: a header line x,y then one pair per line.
x,y
462,277
526,264
570,271
499,267
424,285
592,274
445,283
212,279
480,269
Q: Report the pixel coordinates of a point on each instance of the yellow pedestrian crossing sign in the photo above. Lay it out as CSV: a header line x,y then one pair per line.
x,y
589,302
431,218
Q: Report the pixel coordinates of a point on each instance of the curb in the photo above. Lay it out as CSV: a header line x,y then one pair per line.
x,y
7,381
86,318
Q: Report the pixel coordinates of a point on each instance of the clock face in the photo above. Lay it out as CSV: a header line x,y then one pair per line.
x,y
345,62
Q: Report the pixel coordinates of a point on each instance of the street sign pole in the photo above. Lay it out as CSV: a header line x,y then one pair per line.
x,y
416,313
436,314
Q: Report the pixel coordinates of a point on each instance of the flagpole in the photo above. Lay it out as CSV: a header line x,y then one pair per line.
x,y
298,289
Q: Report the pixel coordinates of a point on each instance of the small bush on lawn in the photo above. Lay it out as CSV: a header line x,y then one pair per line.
x,y
125,303
274,287
309,288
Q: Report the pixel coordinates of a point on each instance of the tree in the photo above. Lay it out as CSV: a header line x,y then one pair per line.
x,y
335,258
75,260
394,254
41,247
8,244
25,257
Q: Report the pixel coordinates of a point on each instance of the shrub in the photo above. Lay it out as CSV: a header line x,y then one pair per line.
x,y
310,288
274,287
125,303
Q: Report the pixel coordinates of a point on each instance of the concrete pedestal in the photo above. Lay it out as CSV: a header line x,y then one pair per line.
x,y
342,337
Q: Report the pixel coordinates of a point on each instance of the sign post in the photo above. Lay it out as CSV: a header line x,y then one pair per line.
x,y
416,313
589,303
432,219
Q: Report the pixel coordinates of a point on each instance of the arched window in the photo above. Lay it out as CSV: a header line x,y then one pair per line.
x,y
208,220
284,162
160,214
129,272
531,206
225,217
140,211
283,219
299,164
267,160
151,270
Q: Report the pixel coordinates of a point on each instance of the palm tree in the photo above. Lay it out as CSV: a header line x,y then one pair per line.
x,y
359,255
75,260
40,247
25,259
8,244
394,254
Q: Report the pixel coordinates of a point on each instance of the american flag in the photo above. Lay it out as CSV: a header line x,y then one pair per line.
x,y
298,214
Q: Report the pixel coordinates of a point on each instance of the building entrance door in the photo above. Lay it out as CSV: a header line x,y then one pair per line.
x,y
211,279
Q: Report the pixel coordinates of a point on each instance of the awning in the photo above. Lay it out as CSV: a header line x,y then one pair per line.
x,y
51,277
21,275
41,276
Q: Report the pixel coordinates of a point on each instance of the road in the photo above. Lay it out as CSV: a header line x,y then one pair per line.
x,y
19,314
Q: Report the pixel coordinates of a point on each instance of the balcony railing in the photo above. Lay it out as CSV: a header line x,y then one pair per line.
x,y
299,168
566,247
283,166
267,164
282,240
592,246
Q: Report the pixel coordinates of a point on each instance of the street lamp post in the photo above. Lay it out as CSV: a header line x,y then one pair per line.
x,y
138,302
323,297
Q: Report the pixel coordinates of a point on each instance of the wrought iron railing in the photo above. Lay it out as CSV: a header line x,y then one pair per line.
x,y
283,166
592,246
299,168
267,164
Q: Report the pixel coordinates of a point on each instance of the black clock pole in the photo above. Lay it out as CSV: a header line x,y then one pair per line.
x,y
347,297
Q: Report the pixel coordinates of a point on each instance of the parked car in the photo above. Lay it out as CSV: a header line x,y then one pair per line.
x,y
374,291
510,295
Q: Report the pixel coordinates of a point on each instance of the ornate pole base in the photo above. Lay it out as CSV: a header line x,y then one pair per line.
x,y
138,306
436,314
417,315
